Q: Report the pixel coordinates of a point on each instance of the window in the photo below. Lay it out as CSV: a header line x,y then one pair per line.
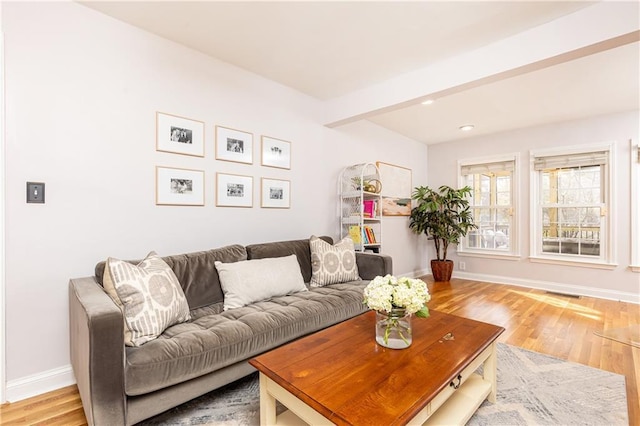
x,y
572,206
492,205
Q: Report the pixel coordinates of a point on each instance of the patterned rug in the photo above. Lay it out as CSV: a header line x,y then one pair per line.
x,y
533,389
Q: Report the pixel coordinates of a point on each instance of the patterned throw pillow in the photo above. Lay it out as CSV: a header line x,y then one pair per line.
x,y
332,264
149,295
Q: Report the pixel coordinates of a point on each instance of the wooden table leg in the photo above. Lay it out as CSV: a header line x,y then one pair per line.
x,y
267,403
489,372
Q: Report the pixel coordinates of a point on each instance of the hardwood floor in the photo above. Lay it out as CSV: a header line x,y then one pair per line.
x,y
552,324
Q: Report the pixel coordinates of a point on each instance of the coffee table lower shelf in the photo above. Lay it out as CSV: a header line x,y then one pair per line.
x,y
450,407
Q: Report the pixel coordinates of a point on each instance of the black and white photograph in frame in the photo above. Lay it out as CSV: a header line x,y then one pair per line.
x,y
234,145
276,193
276,153
179,135
234,190
179,187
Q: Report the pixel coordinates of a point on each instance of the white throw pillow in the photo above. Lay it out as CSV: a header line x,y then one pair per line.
x,y
253,280
149,295
332,264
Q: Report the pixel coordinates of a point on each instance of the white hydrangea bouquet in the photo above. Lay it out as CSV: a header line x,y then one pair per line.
x,y
383,294
395,300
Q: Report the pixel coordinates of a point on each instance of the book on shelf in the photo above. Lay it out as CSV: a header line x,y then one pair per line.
x,y
369,208
355,234
370,235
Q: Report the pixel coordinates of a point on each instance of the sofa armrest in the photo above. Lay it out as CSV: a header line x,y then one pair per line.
x,y
97,351
370,265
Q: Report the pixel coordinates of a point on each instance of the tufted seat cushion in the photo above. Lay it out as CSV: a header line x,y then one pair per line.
x,y
214,339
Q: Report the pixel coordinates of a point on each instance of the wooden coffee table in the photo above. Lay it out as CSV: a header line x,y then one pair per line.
x,y
340,375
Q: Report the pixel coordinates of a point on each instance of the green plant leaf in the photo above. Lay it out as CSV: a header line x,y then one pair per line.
x,y
423,313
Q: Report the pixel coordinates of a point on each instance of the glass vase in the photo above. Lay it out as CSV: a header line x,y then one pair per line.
x,y
393,329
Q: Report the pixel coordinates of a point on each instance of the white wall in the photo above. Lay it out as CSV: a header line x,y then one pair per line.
x,y
618,284
81,94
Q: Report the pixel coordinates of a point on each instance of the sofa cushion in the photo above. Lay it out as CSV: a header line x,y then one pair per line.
x,y
259,279
149,295
196,273
214,338
285,248
332,264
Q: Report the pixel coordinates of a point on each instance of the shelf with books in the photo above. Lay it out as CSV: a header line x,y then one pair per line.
x,y
360,209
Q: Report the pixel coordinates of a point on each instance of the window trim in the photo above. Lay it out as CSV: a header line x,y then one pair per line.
x,y
607,259
514,239
635,207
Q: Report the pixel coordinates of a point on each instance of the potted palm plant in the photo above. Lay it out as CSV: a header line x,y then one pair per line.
x,y
443,216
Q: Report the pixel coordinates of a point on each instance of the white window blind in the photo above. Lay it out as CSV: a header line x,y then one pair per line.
x,y
571,160
501,166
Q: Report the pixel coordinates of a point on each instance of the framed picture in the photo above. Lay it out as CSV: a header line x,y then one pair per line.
x,y
234,190
276,153
234,145
179,187
396,189
276,193
179,135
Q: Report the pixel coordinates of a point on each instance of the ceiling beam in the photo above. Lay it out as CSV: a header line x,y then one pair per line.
x,y
600,27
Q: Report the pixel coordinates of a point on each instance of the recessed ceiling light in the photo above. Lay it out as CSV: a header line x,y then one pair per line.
x,y
428,102
467,127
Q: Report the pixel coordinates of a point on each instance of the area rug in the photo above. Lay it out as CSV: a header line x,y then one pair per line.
x,y
533,389
627,335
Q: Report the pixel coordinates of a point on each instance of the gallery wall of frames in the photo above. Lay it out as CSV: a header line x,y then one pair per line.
x,y
186,187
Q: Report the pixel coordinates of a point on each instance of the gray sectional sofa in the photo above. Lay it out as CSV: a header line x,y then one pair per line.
x,y
122,385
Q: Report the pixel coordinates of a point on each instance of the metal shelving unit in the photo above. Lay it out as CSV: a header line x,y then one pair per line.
x,y
361,206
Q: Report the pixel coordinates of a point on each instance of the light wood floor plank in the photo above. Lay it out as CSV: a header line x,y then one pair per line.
x,y
556,325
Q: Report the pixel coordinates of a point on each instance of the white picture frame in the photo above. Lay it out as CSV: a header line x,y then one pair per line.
x,y
234,190
276,153
179,187
234,145
179,135
275,193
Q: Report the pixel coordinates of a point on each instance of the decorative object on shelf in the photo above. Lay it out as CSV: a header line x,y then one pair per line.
x,y
234,145
276,153
234,190
443,216
374,186
276,193
179,187
179,135
395,300
360,206
396,194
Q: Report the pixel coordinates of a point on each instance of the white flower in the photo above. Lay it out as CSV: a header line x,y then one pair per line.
x,y
385,293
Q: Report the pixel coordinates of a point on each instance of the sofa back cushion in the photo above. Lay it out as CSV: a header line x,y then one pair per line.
x,y
196,273
286,248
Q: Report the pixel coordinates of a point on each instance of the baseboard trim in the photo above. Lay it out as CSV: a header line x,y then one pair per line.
x,y
553,286
415,274
40,383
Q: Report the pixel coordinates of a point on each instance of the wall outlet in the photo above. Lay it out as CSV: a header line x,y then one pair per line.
x,y
462,266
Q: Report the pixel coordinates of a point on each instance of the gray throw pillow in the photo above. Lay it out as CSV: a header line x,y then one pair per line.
x,y
254,280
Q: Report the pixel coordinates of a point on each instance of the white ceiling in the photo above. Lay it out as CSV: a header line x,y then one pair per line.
x,y
330,49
